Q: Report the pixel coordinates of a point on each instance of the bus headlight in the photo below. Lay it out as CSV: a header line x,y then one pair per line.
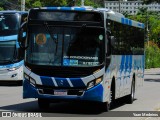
x,y
94,82
26,76
14,68
90,84
31,80
98,80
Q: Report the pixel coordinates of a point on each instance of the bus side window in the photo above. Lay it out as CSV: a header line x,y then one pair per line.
x,y
108,47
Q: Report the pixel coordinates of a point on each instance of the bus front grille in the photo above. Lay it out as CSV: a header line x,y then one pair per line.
x,y
70,92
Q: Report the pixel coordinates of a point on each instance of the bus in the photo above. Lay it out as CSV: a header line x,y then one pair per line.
x,y
11,63
78,53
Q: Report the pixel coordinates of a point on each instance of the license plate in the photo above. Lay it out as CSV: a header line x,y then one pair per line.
x,y
60,92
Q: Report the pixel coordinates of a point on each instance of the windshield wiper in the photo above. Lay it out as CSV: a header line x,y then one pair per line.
x,y
56,41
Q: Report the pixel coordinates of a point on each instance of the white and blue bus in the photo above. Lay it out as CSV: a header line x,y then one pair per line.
x,y
11,63
78,53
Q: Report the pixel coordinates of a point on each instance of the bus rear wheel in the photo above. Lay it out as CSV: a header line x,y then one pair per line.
x,y
43,103
130,97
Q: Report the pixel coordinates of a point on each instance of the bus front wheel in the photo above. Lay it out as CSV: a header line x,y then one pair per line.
x,y
106,106
43,103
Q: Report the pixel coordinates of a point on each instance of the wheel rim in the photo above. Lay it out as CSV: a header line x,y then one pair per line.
x,y
110,97
133,90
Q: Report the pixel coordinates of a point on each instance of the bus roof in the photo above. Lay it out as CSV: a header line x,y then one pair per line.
x,y
12,12
115,16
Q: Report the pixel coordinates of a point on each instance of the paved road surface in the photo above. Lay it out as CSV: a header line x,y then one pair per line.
x,y
147,99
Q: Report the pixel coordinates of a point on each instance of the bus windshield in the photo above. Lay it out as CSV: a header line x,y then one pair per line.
x,y
7,52
9,24
65,46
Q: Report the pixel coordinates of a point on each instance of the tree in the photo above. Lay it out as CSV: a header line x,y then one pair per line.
x,y
54,2
37,4
152,20
93,3
1,4
142,11
9,4
150,1
1,8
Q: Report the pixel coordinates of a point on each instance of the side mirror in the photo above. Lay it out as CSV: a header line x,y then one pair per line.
x,y
109,40
112,40
22,36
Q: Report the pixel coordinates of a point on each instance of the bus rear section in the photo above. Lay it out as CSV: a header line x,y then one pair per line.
x,y
11,64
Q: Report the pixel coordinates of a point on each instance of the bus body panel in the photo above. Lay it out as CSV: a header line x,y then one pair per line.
x,y
11,66
122,68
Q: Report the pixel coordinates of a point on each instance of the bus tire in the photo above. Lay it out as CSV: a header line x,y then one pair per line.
x,y
43,103
106,106
130,97
109,105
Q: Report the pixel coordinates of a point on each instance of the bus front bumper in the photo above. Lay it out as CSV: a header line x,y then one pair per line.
x,y
93,94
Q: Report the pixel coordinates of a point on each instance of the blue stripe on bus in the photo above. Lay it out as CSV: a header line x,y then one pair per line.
x,y
126,63
139,24
143,26
130,22
8,38
122,63
66,8
126,21
122,20
62,82
130,63
79,9
77,82
51,8
47,81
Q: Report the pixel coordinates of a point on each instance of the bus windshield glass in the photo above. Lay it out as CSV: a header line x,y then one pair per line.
x,y
9,24
7,52
65,46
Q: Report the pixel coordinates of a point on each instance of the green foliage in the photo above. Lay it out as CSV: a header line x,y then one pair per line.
x,y
154,28
152,56
1,8
92,3
150,1
152,52
142,11
37,4
153,21
15,4
54,2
